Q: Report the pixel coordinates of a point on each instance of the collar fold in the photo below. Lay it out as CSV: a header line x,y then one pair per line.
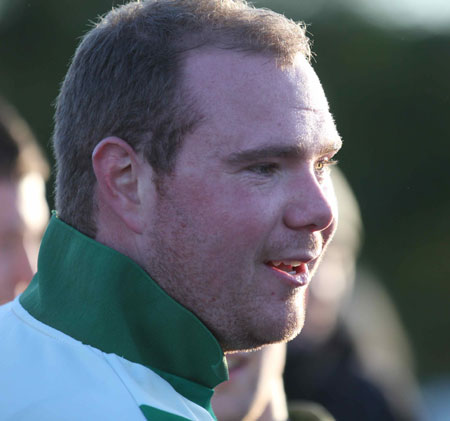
x,y
102,298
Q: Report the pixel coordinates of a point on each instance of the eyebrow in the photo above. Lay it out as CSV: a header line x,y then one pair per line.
x,y
278,151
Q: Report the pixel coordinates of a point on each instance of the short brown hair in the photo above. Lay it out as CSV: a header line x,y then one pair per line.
x,y
125,81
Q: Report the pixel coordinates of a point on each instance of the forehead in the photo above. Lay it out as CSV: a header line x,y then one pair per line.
x,y
246,98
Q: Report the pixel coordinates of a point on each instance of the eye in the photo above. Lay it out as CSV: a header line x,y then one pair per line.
x,y
324,163
264,169
323,167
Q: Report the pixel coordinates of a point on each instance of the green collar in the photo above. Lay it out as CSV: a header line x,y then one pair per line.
x,y
102,298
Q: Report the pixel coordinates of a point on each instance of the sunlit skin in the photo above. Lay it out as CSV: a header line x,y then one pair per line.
x,y
15,269
250,189
250,186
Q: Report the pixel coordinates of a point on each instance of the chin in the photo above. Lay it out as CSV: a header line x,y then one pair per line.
x,y
266,333
286,326
290,330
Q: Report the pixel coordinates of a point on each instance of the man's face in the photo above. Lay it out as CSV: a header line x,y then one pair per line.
x,y
250,189
15,269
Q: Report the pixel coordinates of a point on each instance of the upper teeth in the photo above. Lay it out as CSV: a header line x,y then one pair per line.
x,y
293,263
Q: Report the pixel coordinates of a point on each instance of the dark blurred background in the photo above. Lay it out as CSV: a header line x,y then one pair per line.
x,y
386,71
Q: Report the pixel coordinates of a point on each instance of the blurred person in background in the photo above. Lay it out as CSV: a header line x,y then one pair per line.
x,y
352,356
23,208
255,390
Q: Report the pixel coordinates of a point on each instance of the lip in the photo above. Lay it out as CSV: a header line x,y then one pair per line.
x,y
300,279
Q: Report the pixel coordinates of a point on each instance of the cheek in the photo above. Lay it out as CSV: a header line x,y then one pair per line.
x,y
233,213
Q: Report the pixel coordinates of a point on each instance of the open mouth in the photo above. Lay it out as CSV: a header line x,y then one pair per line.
x,y
292,267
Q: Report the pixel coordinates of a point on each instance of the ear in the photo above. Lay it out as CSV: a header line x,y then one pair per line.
x,y
117,167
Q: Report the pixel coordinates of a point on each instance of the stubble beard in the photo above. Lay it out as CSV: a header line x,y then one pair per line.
x,y
237,317
263,329
244,327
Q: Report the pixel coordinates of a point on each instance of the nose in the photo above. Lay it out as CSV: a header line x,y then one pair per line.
x,y
312,205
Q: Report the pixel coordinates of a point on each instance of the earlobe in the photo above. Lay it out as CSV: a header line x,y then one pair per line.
x,y
116,166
